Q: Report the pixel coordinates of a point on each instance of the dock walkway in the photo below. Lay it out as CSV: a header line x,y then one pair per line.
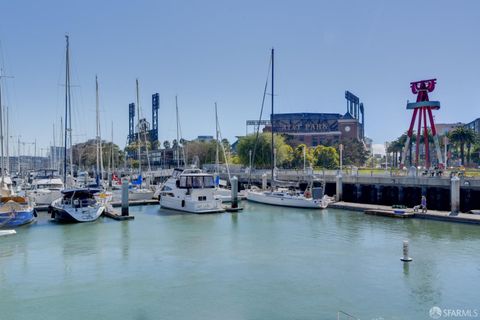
x,y
387,211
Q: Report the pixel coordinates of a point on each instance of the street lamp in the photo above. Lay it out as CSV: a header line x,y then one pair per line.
x,y
386,156
340,147
250,161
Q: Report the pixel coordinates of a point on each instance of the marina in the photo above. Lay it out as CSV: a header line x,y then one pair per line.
x,y
239,160
265,262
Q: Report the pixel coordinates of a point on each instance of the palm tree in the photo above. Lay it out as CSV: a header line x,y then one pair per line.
x,y
460,137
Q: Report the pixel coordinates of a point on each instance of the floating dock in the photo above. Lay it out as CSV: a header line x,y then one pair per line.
x,y
402,214
386,211
136,203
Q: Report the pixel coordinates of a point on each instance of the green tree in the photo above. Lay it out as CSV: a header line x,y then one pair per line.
x,y
326,157
461,137
85,153
261,150
354,152
300,153
205,151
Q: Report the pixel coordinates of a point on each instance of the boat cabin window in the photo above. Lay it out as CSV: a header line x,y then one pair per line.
x,y
196,182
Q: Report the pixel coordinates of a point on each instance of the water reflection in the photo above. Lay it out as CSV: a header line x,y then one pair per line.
x,y
125,241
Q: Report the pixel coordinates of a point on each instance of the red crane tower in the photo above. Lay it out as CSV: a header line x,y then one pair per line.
x,y
421,108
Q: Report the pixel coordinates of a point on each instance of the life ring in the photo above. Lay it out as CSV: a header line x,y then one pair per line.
x,y
307,194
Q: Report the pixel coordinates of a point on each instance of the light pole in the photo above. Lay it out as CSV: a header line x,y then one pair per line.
x,y
340,147
445,143
386,157
304,157
250,161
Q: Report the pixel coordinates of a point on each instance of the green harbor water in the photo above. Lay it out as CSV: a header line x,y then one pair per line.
x,y
263,263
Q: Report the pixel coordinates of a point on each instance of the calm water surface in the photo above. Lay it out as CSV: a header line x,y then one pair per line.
x,y
263,263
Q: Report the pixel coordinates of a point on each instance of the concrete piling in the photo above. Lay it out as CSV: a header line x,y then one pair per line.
x,y
339,184
124,197
405,257
264,181
234,183
455,195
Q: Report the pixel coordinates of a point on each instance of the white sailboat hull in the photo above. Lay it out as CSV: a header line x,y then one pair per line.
x,y
285,200
190,205
44,196
67,213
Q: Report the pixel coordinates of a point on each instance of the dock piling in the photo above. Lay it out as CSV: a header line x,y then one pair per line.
x,y
339,184
455,195
234,183
405,257
124,197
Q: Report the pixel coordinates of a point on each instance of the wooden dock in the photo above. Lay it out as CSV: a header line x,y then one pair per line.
x,y
115,214
386,211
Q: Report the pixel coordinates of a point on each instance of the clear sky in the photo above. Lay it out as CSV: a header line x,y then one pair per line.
x,y
218,50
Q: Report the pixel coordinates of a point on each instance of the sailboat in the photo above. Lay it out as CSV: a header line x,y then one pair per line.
x,y
76,204
14,210
137,192
312,197
222,192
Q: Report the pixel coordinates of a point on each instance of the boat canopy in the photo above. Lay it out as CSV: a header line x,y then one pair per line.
x,y
80,192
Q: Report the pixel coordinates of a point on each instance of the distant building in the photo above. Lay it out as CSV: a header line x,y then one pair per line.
x,y
204,138
444,128
315,129
474,125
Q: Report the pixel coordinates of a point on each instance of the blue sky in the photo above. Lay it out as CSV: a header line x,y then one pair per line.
x,y
207,51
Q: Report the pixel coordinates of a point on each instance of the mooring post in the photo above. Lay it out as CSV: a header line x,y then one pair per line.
x,y
234,183
338,179
124,197
405,257
455,195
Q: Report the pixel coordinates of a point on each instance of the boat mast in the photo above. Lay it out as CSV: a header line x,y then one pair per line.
x,y
99,138
178,142
271,119
54,149
1,132
1,129
7,162
66,114
216,139
97,127
138,134
70,116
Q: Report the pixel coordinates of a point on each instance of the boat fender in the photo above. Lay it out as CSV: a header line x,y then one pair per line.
x,y
35,213
183,203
